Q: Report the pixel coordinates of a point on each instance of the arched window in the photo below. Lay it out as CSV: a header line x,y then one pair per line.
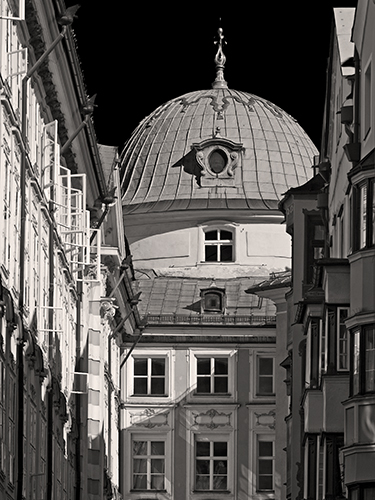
x,y
218,245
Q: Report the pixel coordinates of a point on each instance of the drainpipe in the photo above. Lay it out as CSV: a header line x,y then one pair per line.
x,y
78,398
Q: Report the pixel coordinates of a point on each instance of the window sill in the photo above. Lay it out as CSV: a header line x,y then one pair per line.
x,y
212,492
147,491
149,396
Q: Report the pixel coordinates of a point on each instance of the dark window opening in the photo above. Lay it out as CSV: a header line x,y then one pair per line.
x,y
217,161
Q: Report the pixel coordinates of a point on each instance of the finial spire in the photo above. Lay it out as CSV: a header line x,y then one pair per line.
x,y
220,62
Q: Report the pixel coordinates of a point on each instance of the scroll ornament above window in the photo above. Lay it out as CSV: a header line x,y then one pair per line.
x,y
218,159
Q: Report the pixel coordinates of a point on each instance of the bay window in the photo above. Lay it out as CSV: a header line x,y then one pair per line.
x,y
363,360
363,216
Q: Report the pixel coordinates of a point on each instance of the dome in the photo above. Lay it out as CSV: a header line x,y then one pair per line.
x,y
162,171
218,149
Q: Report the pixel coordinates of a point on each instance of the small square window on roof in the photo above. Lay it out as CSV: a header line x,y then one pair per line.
x,y
213,300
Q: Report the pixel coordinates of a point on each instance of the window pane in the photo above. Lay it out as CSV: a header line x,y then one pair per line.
x,y
356,362
140,366
203,449
139,465
220,466
221,385
221,366
158,366
217,161
139,482
210,253
225,235
265,466
157,447
202,483
211,235
220,449
157,385
139,448
220,482
265,483
157,482
265,448
157,465
226,254
212,301
203,366
203,466
140,386
265,385
203,384
362,214
265,366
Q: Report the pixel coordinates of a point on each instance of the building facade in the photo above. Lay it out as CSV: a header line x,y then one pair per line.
x,y
330,301
201,180
65,287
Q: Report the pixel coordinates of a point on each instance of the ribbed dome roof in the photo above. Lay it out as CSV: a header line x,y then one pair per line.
x,y
159,166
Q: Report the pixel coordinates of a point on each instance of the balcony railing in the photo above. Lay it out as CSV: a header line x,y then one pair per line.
x,y
209,319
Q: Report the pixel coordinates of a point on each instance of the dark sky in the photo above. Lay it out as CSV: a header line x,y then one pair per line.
x,y
136,56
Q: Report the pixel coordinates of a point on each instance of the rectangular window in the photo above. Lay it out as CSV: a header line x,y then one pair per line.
x,y
265,464
367,101
265,376
218,246
149,376
363,360
314,245
148,465
212,375
362,215
211,465
342,339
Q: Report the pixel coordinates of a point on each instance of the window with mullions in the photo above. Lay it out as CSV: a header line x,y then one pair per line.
x,y
212,375
362,492
363,360
218,246
363,216
211,465
265,376
265,464
314,244
149,376
148,465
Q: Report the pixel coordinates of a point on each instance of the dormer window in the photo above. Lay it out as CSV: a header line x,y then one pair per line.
x,y
213,300
217,161
218,246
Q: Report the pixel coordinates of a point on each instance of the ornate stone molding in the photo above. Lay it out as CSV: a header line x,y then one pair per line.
x,y
212,419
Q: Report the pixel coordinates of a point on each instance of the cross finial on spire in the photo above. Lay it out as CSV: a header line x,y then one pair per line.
x,y
220,62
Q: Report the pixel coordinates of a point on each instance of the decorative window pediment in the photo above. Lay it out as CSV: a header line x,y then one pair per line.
x,y
218,158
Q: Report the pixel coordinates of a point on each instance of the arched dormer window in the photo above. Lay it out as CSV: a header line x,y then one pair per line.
x,y
218,245
213,300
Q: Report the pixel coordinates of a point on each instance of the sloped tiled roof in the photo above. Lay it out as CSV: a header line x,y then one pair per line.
x,y
181,296
277,153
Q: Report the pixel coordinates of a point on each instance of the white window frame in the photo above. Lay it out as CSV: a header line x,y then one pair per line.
x,y
129,375
265,438
339,354
150,436
258,358
149,375
213,437
254,356
217,225
194,354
